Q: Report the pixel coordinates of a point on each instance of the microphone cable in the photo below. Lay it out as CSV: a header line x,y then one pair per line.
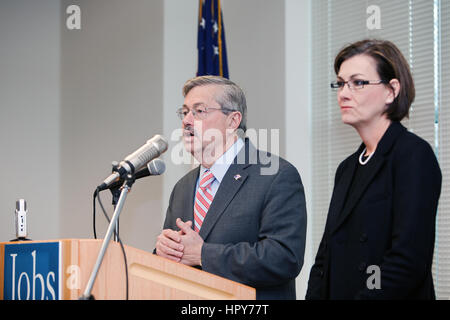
x,y
97,195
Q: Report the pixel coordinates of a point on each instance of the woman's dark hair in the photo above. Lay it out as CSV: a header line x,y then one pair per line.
x,y
391,64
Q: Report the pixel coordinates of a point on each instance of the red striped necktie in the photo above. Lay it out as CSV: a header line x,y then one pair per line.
x,y
203,199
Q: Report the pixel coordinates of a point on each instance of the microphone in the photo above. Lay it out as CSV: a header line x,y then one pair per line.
x,y
21,219
153,148
155,167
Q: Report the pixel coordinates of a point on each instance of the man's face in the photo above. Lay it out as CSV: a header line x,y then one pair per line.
x,y
205,136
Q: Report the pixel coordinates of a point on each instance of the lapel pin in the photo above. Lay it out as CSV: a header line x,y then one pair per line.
x,y
237,177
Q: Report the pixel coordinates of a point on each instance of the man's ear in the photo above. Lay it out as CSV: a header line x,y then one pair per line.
x,y
234,120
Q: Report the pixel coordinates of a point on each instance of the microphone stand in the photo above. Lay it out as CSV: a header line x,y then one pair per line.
x,y
123,195
115,199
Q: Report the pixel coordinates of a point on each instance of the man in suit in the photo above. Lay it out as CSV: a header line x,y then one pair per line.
x,y
233,216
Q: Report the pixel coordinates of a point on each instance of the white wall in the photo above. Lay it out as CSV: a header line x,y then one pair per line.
x,y
180,64
298,105
255,31
111,104
29,115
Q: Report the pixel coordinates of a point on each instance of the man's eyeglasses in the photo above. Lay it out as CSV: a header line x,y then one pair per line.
x,y
354,84
199,112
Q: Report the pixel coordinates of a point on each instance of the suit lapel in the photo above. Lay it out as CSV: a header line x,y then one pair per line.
x,y
227,190
373,167
341,189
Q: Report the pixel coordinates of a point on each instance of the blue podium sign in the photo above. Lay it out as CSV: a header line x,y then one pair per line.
x,y
32,271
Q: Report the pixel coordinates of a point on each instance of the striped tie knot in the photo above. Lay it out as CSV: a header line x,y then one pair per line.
x,y
206,180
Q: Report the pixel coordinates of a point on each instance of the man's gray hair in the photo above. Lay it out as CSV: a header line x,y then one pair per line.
x,y
232,98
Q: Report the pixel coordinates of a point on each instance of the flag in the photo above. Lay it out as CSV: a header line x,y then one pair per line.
x,y
212,52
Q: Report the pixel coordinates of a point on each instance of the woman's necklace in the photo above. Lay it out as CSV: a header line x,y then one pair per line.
x,y
367,159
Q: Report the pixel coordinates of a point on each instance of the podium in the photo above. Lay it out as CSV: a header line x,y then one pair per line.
x,y
60,269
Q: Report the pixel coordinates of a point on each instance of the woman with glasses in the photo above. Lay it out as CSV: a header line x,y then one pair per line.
x,y
379,236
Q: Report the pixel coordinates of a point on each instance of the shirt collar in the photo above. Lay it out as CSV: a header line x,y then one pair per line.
x,y
221,165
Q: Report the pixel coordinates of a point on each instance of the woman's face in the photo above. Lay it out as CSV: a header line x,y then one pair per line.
x,y
366,105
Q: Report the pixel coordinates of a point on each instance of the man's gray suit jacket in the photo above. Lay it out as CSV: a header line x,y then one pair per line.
x,y
254,232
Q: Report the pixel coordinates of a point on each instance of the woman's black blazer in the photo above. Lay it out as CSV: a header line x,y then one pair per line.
x,y
388,223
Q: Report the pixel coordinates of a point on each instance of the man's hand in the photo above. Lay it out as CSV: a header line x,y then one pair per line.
x,y
192,243
183,246
168,245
